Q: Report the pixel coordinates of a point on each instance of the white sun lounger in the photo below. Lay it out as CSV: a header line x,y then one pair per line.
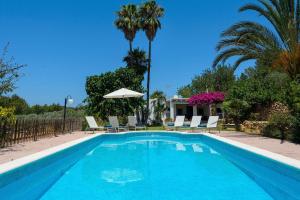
x,y
196,120
132,123
93,124
212,123
114,122
195,123
178,122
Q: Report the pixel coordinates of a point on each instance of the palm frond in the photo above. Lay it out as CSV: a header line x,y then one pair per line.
x,y
241,60
128,21
250,40
150,13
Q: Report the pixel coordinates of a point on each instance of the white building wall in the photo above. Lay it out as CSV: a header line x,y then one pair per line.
x,y
172,110
152,103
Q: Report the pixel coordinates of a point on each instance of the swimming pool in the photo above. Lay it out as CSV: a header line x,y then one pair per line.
x,y
152,165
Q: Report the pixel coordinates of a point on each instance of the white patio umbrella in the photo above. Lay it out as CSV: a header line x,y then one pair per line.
x,y
123,93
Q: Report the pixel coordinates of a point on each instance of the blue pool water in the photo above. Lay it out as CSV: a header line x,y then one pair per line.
x,y
154,166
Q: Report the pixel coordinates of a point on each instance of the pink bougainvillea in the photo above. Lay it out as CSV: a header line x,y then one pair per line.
x,y
207,98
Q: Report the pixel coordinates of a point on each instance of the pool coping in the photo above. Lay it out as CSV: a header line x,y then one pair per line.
x,y
8,166
268,154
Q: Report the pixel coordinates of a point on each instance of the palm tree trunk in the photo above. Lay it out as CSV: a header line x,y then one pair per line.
x,y
130,45
148,80
298,18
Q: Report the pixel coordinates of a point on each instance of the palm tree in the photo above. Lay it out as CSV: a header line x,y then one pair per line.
x,y
137,60
150,13
159,105
128,22
278,49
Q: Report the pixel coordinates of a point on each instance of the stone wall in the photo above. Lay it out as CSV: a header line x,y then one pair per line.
x,y
255,127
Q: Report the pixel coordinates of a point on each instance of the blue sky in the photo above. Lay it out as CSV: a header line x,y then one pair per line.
x,y
64,41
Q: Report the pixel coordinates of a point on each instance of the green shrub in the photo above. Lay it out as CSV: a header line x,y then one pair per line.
x,y
271,131
296,130
255,117
7,115
237,110
71,113
283,122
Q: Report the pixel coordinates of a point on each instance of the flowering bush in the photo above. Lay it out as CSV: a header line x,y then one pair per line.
x,y
207,98
7,115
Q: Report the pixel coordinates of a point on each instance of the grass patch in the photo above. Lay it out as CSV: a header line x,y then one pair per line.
x,y
155,128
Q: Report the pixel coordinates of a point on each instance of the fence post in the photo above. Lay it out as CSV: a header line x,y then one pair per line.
x,y
3,134
35,130
15,132
72,125
56,128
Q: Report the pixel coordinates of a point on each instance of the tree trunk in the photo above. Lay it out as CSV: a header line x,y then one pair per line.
x,y
237,124
148,80
143,114
130,45
297,17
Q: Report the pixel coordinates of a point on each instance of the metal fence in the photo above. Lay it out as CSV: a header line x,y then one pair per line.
x,y
33,129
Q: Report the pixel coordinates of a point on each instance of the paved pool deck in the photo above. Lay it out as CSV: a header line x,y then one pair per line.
x,y
274,145
23,149
286,148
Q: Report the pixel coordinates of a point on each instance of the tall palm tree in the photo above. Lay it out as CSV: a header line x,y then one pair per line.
x,y
248,40
128,22
150,13
136,59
